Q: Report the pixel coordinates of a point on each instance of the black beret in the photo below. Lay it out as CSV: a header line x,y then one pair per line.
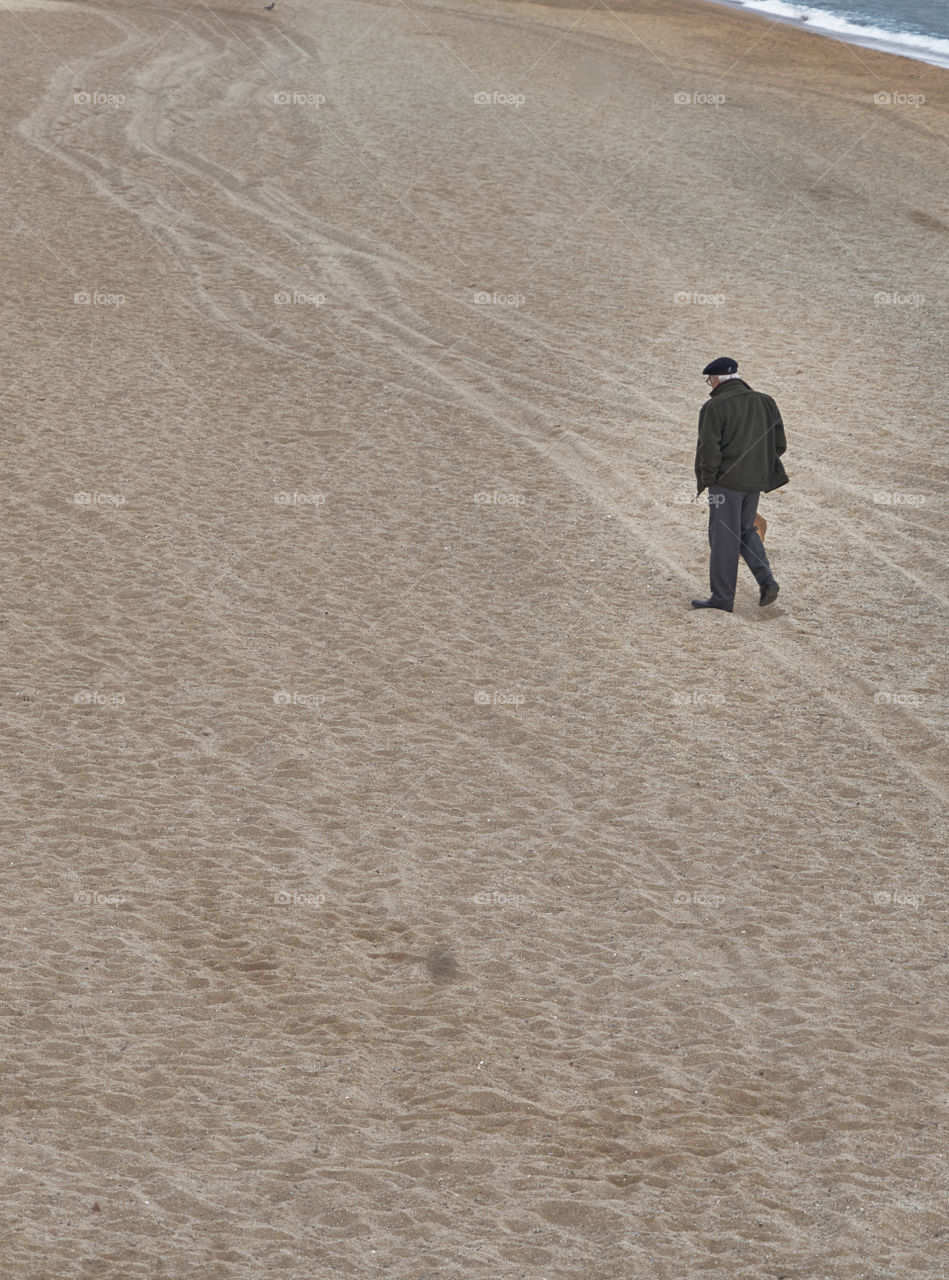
x,y
724,364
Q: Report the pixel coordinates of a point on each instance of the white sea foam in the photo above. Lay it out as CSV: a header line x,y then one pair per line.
x,y
907,43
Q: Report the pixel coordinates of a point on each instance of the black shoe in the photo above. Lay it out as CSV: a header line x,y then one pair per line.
x,y
769,594
710,604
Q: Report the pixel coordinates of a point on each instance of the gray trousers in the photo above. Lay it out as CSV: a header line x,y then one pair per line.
x,y
732,533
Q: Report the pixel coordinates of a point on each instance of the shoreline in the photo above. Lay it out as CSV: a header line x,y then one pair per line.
x,y
884,43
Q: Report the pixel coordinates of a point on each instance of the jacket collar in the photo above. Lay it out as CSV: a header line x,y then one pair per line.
x,y
732,382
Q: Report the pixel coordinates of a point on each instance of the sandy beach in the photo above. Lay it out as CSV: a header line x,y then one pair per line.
x,y
400,878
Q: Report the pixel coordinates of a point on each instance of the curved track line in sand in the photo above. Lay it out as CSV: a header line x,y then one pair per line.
x,y
497,392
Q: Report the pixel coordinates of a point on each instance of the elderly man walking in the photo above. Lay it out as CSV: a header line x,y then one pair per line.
x,y
741,439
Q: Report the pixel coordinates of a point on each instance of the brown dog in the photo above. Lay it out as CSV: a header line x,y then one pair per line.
x,y
761,525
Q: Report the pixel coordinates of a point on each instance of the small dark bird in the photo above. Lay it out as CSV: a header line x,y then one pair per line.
x,y
270,6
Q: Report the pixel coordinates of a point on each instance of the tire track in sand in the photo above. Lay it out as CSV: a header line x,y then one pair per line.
x,y
367,278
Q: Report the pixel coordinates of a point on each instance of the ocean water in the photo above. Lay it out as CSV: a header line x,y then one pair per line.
x,y
914,28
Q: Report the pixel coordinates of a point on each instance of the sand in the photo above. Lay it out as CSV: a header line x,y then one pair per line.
x,y
400,878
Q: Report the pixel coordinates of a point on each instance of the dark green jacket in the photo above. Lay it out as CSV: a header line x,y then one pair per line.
x,y
741,439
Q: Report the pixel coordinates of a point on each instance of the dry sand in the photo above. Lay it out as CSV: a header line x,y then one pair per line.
x,y
403,883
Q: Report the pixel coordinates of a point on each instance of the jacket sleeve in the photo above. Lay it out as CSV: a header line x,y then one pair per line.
x,y
780,440
708,455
